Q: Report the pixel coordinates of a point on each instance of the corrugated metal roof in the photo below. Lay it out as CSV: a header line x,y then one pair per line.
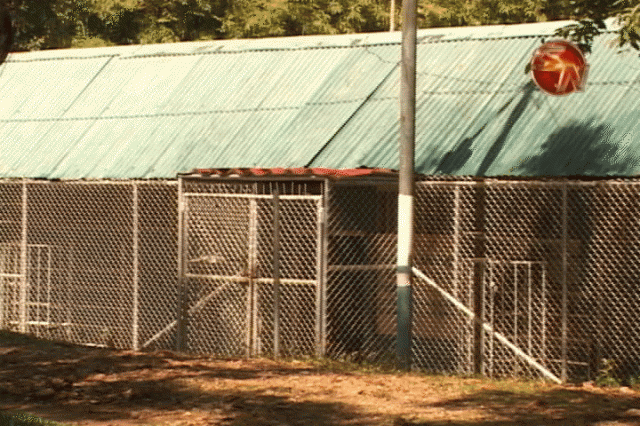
x,y
319,101
478,113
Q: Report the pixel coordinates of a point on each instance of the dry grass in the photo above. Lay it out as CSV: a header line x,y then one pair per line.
x,y
88,386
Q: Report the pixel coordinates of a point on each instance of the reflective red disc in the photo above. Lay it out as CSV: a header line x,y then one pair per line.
x,y
559,68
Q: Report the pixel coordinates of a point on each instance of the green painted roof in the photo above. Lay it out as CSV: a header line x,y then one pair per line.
x,y
321,101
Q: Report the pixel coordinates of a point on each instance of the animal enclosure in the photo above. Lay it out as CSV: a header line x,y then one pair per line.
x,y
512,278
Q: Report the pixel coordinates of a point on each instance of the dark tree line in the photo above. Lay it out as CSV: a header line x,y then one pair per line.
x,y
47,24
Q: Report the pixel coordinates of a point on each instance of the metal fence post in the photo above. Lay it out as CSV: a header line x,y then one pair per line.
x,y
3,254
325,230
23,262
320,278
136,283
182,237
479,272
252,295
456,240
276,272
563,374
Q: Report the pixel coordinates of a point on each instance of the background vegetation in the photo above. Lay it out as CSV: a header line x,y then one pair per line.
x,y
46,24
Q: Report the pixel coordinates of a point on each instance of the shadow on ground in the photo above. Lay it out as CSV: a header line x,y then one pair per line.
x,y
69,383
560,406
91,386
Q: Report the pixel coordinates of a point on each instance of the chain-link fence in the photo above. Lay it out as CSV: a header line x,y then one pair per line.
x,y
549,268
512,278
251,268
361,279
89,262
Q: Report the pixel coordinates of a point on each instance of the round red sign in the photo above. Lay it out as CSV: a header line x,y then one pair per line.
x,y
559,68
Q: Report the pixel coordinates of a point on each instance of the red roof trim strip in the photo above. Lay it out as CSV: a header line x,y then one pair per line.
x,y
296,172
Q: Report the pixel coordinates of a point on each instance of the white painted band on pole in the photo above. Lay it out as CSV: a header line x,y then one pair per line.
x,y
500,337
405,224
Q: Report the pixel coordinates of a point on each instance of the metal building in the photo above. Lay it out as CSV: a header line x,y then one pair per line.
x,y
524,214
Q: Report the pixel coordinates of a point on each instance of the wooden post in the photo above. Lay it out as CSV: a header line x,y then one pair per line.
x,y
392,16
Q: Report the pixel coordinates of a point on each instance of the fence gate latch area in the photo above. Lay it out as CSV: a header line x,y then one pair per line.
x,y
249,273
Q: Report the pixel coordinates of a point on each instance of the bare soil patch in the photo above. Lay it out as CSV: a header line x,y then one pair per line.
x,y
89,386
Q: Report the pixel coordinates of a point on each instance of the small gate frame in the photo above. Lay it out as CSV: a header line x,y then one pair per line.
x,y
278,186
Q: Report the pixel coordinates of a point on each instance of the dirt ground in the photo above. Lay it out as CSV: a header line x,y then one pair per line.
x,y
88,386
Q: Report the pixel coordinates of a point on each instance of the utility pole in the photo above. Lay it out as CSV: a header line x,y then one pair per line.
x,y
406,180
392,16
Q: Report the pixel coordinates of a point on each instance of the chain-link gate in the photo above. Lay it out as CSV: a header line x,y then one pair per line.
x,y
251,266
31,288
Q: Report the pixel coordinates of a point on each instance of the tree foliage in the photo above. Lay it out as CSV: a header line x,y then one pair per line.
x,y
50,24
6,33
590,16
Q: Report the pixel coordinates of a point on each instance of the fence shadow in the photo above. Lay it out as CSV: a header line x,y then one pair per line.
x,y
70,383
569,406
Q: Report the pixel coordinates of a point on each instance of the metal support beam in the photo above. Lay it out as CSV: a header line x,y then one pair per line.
x,y
276,272
254,346
320,273
479,272
23,264
565,236
136,290
182,244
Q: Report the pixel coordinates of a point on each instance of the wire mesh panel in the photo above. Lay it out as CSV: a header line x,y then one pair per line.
x,y
517,308
293,302
218,232
34,304
361,280
444,250
548,268
11,193
516,278
523,237
155,265
94,224
12,262
603,298
88,262
252,271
